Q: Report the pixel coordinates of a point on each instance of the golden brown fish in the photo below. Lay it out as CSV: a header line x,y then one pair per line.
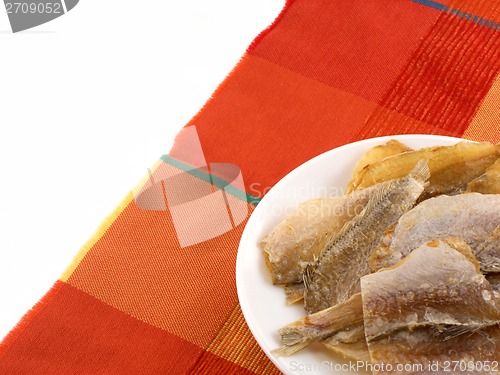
x,y
346,317
334,277
487,183
452,167
301,236
494,280
354,347
473,217
488,252
376,154
433,307
341,327
294,293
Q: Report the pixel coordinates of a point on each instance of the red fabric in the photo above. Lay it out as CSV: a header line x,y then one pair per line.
x,y
74,332
358,46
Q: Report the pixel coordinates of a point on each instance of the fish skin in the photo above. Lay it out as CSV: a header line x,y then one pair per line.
x,y
374,155
473,217
489,252
341,327
355,347
321,325
452,167
434,305
294,293
334,277
488,182
388,350
494,280
299,238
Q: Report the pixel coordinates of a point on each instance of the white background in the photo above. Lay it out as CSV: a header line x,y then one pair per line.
x,y
88,102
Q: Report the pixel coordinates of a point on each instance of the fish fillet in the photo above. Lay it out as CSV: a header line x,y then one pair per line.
x,y
294,293
473,217
357,350
488,252
452,167
341,327
376,154
301,236
487,183
433,306
494,280
334,277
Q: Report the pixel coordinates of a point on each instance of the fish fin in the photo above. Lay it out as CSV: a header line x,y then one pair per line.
x,y
307,276
421,171
292,342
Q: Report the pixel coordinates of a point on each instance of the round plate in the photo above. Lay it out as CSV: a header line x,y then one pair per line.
x,y
263,304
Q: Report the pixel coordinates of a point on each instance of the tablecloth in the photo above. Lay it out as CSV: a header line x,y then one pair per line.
x,y
153,291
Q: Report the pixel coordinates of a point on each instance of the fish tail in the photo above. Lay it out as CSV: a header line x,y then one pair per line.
x,y
292,341
421,171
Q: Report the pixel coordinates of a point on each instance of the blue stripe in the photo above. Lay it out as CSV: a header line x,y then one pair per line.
x,y
214,180
433,4
459,13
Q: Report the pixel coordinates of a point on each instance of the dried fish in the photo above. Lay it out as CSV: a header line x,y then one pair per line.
x,y
376,154
354,347
301,236
494,280
334,277
345,317
488,252
487,183
452,167
429,292
434,306
473,217
294,293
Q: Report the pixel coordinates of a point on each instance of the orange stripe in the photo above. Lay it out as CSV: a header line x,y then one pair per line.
x,y
236,344
210,364
485,125
138,267
104,226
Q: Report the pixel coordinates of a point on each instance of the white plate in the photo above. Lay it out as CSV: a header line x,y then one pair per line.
x,y
263,304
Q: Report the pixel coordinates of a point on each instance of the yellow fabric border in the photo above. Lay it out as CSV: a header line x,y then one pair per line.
x,y
97,235
104,227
